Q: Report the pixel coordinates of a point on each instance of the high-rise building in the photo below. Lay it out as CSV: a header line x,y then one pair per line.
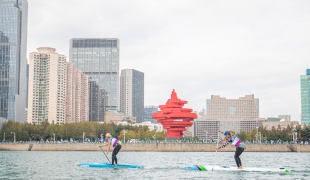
x,y
239,115
132,93
99,59
242,108
77,95
305,97
47,86
148,112
13,61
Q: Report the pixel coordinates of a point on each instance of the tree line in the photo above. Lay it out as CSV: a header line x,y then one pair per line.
x,y
74,131
278,133
93,131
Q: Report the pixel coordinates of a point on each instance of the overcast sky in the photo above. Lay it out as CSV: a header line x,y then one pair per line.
x,y
197,47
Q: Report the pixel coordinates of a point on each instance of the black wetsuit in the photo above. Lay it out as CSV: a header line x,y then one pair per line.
x,y
115,151
238,152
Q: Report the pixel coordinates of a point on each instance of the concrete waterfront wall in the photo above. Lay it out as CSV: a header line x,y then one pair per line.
x,y
67,147
14,147
155,147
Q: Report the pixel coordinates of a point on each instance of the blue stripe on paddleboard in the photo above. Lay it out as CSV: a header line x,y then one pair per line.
x,y
193,167
107,165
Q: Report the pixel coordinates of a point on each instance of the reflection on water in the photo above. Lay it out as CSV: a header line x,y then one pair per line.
x,y
158,165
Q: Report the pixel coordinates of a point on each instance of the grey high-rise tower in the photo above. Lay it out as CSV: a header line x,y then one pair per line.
x,y
99,59
13,62
132,94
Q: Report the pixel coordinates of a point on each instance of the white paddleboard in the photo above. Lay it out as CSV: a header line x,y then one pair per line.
x,y
228,168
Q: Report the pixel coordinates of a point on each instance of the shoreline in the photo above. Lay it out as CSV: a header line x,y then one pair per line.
x,y
154,147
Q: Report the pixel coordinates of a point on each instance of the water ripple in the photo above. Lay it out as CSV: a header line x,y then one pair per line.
x,y
158,165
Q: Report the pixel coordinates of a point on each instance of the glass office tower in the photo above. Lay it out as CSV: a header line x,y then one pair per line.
x,y
148,112
13,62
305,97
99,59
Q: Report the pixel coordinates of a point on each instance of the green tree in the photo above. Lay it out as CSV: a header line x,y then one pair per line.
x,y
242,135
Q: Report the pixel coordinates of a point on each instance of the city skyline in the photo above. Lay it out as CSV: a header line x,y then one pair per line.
x,y
199,48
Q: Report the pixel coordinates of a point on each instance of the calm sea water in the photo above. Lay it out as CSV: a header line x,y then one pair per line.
x,y
158,165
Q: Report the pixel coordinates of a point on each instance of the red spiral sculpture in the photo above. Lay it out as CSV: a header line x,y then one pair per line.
x,y
174,117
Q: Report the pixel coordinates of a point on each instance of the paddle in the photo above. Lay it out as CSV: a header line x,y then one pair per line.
x,y
217,145
105,155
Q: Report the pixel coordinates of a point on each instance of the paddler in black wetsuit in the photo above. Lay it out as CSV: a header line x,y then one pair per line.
x,y
234,140
114,143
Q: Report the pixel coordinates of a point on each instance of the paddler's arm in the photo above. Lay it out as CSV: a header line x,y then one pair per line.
x,y
109,146
104,144
224,145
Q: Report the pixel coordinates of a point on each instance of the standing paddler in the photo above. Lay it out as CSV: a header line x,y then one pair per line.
x,y
114,143
234,140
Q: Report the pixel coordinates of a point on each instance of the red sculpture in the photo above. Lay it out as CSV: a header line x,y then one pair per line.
x,y
174,117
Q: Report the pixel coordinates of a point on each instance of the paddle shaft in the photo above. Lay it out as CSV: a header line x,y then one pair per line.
x,y
217,145
218,139
105,155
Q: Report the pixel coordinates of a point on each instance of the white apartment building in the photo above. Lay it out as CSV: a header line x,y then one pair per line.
x,y
117,117
152,126
47,86
282,124
285,117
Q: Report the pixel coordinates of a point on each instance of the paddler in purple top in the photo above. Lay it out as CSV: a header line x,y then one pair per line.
x,y
114,143
234,140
